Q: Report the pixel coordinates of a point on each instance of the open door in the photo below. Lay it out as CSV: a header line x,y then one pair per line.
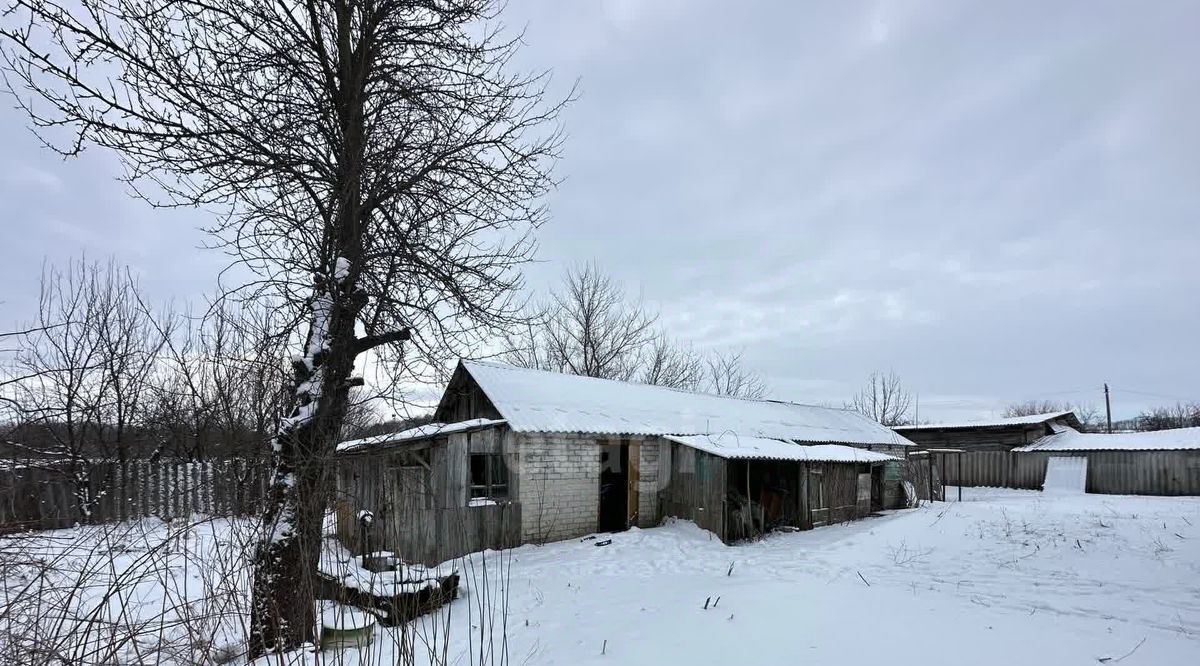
x,y
614,487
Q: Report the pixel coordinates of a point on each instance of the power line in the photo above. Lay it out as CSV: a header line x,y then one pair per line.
x,y
1156,395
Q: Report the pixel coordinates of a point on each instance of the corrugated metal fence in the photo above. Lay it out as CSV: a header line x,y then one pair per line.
x,y
51,496
1143,472
997,469
1109,472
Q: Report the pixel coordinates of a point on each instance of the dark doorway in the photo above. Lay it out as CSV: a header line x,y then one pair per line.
x,y
876,488
614,487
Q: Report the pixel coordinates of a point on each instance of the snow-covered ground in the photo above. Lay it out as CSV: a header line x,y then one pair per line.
x,y
1004,577
131,593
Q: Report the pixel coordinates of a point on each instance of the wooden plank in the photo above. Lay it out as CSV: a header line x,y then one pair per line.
x,y
632,481
806,520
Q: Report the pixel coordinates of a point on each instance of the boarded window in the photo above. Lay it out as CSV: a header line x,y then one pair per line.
x,y
489,476
685,459
816,489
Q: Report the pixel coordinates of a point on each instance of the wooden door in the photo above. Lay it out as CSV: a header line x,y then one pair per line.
x,y
634,451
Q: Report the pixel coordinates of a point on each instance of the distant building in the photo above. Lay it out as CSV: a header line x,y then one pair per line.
x,y
1017,452
1002,434
518,456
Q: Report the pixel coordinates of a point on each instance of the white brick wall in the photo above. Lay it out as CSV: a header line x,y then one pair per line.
x,y
560,486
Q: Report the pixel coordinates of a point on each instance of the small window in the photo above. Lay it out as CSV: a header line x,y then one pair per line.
x,y
489,477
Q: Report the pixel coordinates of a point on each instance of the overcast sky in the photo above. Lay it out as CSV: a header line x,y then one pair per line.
x,y
998,200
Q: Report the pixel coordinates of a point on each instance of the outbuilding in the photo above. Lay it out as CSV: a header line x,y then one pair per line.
x,y
1160,462
527,456
997,434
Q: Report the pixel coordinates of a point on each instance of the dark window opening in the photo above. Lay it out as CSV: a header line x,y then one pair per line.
x,y
489,476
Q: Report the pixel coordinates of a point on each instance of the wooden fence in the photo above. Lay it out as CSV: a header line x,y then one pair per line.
x,y
38,495
997,469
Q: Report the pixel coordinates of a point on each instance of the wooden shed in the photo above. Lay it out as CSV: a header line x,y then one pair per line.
x,y
526,456
740,487
416,486
1001,434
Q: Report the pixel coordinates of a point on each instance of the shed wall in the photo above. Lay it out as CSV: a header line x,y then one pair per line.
x,y
421,513
977,439
696,487
560,483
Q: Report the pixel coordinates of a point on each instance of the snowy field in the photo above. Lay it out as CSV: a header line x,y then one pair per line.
x,y
145,592
1004,577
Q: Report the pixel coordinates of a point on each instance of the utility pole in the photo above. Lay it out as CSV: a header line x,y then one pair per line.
x,y
1107,408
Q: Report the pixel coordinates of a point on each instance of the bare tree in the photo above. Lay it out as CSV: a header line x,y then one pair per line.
x,y
588,327
667,362
379,168
1034,407
883,399
219,390
728,375
82,373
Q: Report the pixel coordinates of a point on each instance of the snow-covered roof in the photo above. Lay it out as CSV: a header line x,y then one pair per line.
x,y
420,432
540,401
755,448
1031,419
1159,440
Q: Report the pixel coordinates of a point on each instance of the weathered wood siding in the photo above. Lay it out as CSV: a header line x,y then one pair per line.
x,y
422,513
697,486
37,495
999,438
700,486
464,400
841,496
893,485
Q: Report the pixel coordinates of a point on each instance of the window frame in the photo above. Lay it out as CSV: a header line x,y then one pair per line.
x,y
496,480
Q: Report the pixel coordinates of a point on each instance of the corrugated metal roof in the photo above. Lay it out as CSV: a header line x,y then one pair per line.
x,y
1159,440
1031,419
761,448
420,432
539,401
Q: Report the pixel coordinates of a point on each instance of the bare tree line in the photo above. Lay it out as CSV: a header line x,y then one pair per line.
x,y
1088,414
102,374
1178,415
590,326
